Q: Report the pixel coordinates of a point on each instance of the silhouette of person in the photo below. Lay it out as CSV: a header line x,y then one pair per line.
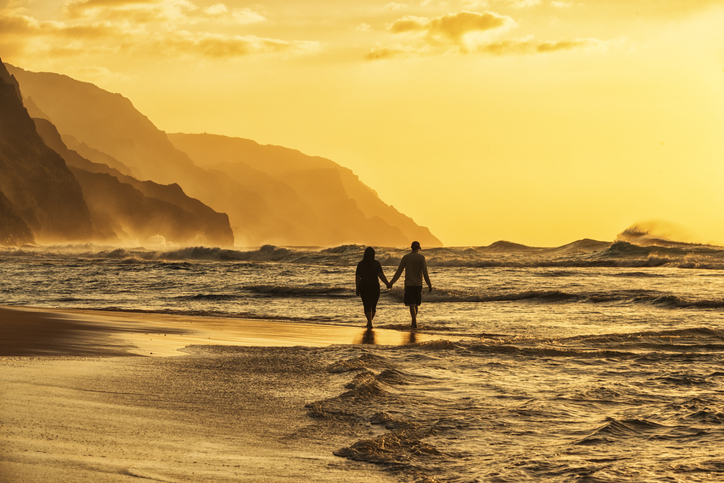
x,y
369,273
415,268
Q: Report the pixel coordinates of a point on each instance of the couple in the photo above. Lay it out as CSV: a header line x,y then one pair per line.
x,y
368,285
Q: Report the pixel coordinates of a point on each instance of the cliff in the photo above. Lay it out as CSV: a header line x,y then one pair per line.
x,y
132,211
13,229
271,195
322,184
41,199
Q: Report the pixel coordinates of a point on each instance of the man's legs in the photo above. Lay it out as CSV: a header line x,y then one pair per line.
x,y
413,314
413,299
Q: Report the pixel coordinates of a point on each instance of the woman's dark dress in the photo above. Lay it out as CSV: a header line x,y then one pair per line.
x,y
369,286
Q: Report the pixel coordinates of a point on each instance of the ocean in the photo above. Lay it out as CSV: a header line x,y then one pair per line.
x,y
594,361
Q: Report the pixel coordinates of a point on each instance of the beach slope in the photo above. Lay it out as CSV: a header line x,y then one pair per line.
x,y
80,402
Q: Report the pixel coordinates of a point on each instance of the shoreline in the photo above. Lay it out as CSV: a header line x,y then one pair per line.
x,y
34,331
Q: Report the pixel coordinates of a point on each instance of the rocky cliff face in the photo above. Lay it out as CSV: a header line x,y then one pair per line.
x,y
319,183
271,194
127,210
13,229
41,199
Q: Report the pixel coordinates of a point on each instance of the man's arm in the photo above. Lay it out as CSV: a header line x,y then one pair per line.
x,y
427,277
398,272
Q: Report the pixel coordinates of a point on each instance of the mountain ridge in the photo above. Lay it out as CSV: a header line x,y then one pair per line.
x,y
109,126
160,210
286,164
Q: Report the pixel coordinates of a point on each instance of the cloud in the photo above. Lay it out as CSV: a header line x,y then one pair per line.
x,y
18,25
524,3
468,33
392,52
239,15
143,27
218,46
452,27
81,5
180,12
530,46
408,24
455,26
218,9
382,53
473,3
138,10
395,6
498,48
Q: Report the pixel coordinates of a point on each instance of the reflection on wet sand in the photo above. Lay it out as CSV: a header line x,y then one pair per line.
x,y
34,331
368,337
387,337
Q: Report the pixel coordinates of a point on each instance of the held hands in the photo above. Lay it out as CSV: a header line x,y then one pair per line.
x,y
389,286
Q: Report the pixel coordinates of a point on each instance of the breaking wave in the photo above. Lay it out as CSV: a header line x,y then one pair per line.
x,y
632,250
647,297
300,291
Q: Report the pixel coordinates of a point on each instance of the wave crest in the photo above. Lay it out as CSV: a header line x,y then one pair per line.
x,y
636,249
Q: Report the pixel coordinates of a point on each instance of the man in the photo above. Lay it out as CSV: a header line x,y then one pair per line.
x,y
415,269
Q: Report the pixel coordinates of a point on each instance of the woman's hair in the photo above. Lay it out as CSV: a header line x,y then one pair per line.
x,y
369,254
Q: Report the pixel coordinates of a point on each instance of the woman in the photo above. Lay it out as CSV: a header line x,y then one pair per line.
x,y
369,271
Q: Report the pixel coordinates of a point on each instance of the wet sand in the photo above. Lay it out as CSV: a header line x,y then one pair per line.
x,y
58,332
104,396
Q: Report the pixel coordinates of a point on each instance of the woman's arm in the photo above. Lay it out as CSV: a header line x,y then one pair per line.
x,y
383,278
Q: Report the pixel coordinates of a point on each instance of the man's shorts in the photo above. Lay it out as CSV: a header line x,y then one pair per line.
x,y
413,295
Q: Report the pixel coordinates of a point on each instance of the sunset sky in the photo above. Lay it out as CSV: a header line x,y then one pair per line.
x,y
535,121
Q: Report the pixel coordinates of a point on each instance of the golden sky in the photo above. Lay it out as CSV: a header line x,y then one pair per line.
x,y
534,121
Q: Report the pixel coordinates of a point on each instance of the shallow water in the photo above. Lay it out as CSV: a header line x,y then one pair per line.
x,y
598,363
634,408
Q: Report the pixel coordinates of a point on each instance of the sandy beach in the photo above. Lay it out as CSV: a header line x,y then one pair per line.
x,y
110,396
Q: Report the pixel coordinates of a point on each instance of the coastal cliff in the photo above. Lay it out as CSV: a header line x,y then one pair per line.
x,y
42,200
51,194
271,194
126,209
